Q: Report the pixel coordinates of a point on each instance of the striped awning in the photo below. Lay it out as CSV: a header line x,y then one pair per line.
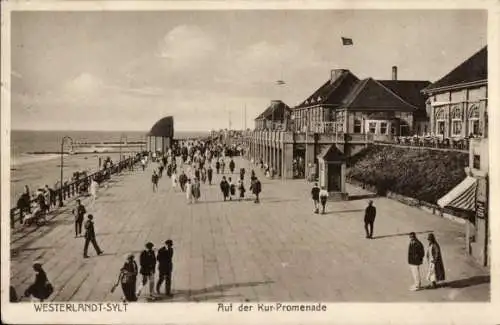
x,y
463,196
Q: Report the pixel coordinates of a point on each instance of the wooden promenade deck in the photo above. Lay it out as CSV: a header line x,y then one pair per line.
x,y
240,251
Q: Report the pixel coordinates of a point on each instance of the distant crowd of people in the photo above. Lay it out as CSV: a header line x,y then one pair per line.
x,y
198,160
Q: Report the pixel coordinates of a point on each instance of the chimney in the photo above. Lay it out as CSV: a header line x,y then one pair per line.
x,y
335,74
394,73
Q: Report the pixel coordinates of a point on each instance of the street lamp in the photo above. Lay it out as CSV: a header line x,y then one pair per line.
x,y
62,165
121,141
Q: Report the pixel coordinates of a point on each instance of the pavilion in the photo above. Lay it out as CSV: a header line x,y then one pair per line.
x,y
161,135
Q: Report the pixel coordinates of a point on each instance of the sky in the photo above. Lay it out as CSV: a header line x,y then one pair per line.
x,y
126,70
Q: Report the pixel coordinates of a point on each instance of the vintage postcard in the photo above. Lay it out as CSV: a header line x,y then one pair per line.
x,y
250,162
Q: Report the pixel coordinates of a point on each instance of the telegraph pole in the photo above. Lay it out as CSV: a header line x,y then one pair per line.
x,y
245,116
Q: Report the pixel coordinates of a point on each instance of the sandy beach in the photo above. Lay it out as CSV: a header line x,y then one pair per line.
x,y
37,173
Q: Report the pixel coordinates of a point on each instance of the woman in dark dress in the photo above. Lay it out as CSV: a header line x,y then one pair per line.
x,y
436,267
128,279
41,289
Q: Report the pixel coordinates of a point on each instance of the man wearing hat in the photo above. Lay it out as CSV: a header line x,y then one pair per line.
x,y
148,263
165,266
90,237
416,255
370,213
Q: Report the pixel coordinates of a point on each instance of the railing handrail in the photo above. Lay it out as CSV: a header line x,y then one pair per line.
x,y
66,187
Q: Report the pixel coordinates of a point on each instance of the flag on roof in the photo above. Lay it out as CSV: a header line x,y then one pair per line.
x,y
347,41
280,82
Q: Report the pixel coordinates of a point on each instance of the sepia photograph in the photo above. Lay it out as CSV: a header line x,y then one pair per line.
x,y
268,161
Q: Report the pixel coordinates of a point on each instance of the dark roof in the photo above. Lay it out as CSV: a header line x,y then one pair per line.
x,y
332,93
275,111
411,92
473,69
332,153
371,94
163,128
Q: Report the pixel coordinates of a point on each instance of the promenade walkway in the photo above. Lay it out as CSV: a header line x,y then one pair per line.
x,y
241,251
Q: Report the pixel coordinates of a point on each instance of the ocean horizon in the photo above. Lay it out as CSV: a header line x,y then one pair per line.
x,y
25,142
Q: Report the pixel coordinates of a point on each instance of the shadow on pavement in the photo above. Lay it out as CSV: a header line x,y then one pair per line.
x,y
345,211
209,293
401,234
200,298
468,282
362,197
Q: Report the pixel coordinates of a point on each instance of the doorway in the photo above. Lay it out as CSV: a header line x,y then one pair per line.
x,y
334,177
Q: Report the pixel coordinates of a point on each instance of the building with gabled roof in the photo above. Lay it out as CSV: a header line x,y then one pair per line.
x,y
277,113
458,101
346,104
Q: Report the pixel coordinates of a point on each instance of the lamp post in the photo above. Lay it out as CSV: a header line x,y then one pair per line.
x,y
121,141
62,166
122,136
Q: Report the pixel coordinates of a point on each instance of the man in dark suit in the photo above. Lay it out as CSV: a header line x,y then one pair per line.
x,y
165,266
148,263
256,188
79,213
90,237
370,213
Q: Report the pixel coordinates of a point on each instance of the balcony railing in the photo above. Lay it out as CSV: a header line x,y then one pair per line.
x,y
432,142
317,127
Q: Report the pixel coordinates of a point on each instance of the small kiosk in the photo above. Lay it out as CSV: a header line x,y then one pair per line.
x,y
332,170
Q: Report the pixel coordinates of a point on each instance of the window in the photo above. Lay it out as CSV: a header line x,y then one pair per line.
x,y
440,114
456,123
357,126
475,127
383,128
456,127
456,113
372,127
440,127
474,120
476,162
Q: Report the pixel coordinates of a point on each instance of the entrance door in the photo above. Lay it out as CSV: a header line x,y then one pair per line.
x,y
299,158
334,177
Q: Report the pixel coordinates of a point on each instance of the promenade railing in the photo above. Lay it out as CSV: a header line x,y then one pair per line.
x,y
72,189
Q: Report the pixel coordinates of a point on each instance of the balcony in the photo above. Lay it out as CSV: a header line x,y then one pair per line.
x,y
316,127
430,141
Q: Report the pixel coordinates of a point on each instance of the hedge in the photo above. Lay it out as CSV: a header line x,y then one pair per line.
x,y
423,174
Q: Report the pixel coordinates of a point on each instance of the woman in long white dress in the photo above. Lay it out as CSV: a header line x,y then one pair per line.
x,y
175,180
93,191
189,191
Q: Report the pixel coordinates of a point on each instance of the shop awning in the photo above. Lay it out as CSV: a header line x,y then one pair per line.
x,y
463,196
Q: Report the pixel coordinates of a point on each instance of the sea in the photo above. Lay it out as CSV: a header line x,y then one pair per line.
x,y
34,160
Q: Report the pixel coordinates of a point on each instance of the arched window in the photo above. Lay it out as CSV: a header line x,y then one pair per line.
x,y
440,114
440,120
456,113
456,120
474,111
474,117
